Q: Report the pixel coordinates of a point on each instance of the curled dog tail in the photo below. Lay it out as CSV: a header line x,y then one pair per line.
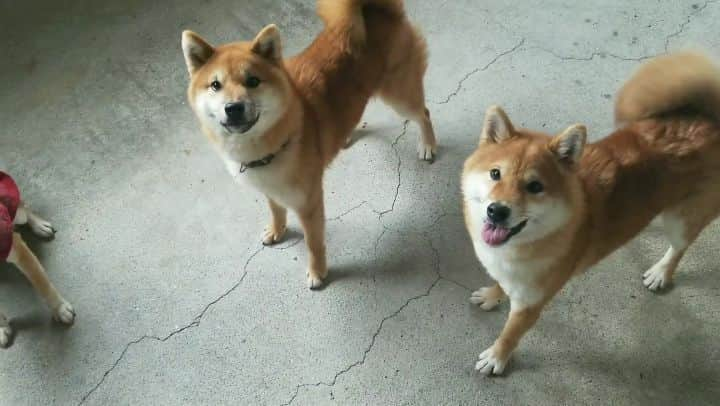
x,y
348,15
685,82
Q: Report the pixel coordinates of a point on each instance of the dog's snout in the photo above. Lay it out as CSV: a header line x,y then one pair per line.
x,y
498,212
235,111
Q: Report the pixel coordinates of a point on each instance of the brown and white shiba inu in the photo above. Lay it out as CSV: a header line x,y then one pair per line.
x,y
541,209
278,123
13,249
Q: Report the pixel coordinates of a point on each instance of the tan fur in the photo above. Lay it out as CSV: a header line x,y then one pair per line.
x,y
367,48
665,162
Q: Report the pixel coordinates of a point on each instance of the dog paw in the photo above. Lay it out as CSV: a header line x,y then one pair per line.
x,y
426,152
5,336
272,236
42,228
485,298
64,313
490,363
655,278
315,280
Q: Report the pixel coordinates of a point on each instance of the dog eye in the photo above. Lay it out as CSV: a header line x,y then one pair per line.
x,y
495,174
252,82
535,187
215,85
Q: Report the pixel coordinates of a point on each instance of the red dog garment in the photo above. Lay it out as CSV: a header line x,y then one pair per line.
x,y
9,202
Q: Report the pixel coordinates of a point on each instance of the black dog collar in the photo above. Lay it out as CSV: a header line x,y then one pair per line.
x,y
264,161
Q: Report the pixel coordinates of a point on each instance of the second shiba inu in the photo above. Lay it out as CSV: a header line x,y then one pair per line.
x,y
541,209
278,123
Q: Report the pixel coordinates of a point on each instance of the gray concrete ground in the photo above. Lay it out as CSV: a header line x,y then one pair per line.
x,y
160,251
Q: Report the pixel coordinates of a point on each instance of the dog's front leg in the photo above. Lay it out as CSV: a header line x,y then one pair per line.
x,y
494,359
313,223
278,224
22,257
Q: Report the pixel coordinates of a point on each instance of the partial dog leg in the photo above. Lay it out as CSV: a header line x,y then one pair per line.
x,y
488,297
660,275
313,223
27,262
494,359
278,224
404,91
39,226
5,331
681,226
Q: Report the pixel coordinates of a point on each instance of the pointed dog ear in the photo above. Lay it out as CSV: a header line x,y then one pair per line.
x,y
569,145
196,51
497,127
268,43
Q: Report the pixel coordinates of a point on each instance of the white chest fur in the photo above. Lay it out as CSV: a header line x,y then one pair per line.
x,y
520,279
271,180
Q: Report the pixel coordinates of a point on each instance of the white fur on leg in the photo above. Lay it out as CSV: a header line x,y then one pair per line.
x,y
490,364
40,227
64,313
656,278
426,152
271,237
485,298
314,282
5,332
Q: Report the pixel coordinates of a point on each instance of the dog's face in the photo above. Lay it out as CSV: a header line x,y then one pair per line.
x,y
240,90
519,185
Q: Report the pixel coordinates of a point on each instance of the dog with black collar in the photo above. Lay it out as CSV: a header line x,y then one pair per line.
x,y
278,123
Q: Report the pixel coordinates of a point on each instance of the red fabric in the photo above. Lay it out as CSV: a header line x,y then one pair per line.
x,y
9,202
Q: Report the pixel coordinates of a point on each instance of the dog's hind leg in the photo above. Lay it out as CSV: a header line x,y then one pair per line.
x,y
403,90
39,226
681,225
22,257
5,331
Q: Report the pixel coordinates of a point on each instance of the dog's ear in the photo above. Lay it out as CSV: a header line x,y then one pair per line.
x,y
569,145
497,127
268,43
197,52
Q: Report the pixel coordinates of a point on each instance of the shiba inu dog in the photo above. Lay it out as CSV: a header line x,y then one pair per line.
x,y
14,250
277,123
542,208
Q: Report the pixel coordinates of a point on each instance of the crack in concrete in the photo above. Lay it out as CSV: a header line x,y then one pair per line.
x,y
685,24
373,340
594,55
399,170
480,69
194,323
350,210
366,352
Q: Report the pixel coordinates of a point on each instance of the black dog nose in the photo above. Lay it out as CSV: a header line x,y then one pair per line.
x,y
498,212
235,111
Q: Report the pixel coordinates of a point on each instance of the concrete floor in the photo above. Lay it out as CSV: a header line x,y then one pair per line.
x,y
177,301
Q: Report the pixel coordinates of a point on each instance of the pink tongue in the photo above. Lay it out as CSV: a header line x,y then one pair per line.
x,y
494,235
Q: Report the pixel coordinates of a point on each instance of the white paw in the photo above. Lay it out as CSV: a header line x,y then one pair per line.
x,y
426,152
314,281
5,336
485,298
271,237
64,313
42,228
654,278
489,364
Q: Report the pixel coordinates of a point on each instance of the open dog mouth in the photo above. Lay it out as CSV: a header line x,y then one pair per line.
x,y
240,127
496,235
